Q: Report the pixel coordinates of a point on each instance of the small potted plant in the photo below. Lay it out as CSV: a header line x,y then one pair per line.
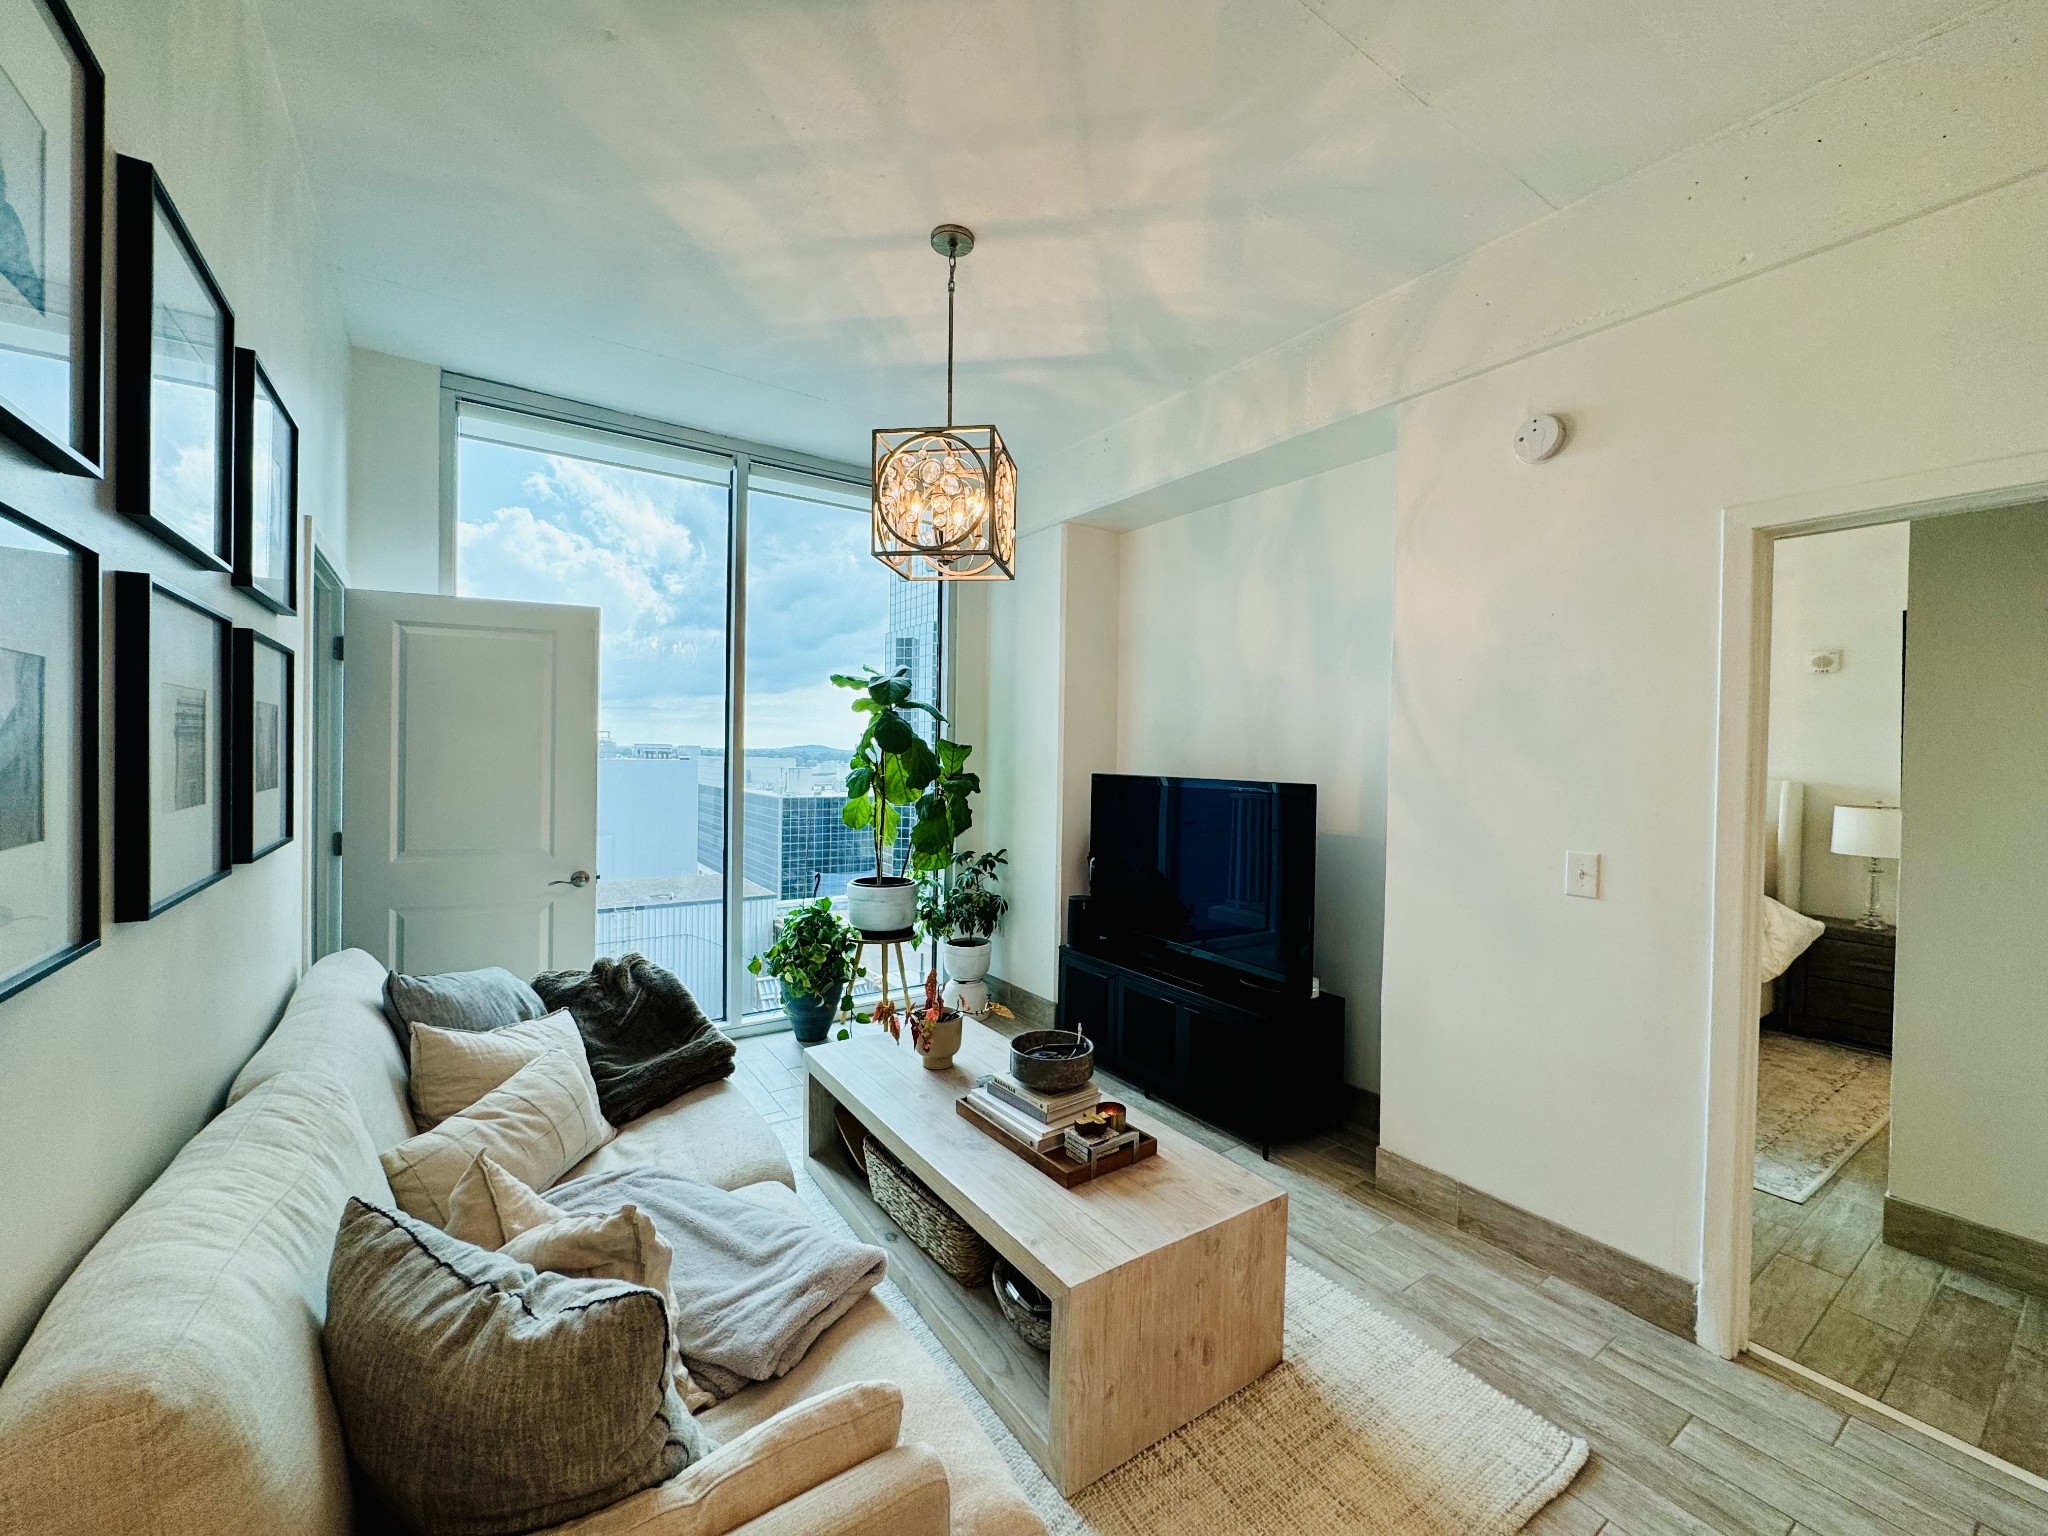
x,y
891,768
935,1029
960,907
816,958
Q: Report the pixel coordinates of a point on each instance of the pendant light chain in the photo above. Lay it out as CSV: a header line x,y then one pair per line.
x,y
952,263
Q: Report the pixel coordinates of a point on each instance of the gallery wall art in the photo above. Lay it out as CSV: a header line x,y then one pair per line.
x,y
52,148
49,751
172,815
262,764
266,489
174,348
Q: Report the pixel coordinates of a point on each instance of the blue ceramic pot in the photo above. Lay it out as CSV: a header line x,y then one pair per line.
x,y
809,1017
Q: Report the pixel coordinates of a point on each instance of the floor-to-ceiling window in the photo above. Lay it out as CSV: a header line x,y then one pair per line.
x,y
568,505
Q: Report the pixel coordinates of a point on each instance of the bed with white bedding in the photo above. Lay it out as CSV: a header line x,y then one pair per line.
x,y
1786,930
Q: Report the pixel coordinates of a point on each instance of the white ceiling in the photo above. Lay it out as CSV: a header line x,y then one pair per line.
x,y
717,213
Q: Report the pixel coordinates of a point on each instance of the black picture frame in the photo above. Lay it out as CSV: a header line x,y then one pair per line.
x,y
252,729
77,445
158,350
266,511
21,534
139,746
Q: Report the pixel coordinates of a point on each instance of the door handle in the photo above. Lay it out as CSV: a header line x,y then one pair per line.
x,y
580,879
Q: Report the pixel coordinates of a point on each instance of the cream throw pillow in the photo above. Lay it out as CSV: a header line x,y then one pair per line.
x,y
493,1210
537,1124
453,1068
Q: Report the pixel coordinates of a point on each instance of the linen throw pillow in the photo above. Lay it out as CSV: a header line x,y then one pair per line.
x,y
492,1209
486,999
453,1068
479,1396
537,1124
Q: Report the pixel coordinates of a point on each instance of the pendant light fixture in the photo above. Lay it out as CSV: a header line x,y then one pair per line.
x,y
945,498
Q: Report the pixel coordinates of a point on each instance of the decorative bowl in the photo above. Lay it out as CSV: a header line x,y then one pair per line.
x,y
1052,1060
1023,1304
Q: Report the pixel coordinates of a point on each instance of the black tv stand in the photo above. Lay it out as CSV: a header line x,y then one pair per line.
x,y
1253,1060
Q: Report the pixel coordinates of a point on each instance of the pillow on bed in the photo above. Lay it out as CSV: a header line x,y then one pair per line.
x,y
1786,936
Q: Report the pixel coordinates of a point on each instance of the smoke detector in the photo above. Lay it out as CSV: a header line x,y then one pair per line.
x,y
1538,438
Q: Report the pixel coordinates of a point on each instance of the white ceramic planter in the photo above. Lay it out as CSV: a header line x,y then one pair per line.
x,y
966,959
887,907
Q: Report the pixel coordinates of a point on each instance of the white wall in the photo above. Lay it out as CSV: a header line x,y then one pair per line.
x,y
394,473
1255,644
1838,732
1970,1051
1555,653
107,1067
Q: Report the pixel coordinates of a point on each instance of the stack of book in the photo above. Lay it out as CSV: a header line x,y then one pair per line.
x,y
1040,1121
1090,1143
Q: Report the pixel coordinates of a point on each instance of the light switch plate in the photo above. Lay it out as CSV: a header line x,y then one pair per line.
x,y
1582,875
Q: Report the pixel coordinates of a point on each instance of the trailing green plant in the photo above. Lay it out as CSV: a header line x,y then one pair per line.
x,y
893,767
816,953
961,901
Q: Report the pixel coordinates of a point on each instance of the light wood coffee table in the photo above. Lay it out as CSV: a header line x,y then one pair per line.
x,y
1168,1279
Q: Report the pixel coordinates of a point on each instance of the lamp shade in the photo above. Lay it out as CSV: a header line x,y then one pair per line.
x,y
1866,831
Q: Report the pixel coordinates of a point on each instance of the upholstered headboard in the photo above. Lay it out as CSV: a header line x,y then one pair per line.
x,y
1784,828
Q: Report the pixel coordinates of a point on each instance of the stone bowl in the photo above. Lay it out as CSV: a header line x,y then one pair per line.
x,y
1052,1060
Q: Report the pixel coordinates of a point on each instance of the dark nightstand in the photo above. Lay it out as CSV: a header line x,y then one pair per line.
x,y
1841,988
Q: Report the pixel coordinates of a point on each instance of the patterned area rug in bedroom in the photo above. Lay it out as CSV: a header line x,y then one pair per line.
x,y
1363,1430
1816,1104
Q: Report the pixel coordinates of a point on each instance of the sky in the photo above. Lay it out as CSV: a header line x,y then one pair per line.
x,y
650,551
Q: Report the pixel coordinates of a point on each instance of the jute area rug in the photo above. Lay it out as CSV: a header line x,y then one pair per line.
x,y
1817,1103
1363,1430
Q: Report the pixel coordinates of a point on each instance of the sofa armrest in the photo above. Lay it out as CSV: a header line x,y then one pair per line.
x,y
808,1444
902,1492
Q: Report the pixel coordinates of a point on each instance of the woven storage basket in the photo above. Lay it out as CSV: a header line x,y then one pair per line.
x,y
926,1220
1035,1330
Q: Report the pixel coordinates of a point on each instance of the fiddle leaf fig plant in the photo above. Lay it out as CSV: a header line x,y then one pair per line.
x,y
893,767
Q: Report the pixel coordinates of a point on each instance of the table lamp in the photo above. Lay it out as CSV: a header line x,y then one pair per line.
x,y
1867,832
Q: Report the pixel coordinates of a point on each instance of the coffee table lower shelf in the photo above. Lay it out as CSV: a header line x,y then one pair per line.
x,y
1014,1377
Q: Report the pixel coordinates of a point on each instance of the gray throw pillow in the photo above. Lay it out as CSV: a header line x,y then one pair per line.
x,y
471,1000
479,1396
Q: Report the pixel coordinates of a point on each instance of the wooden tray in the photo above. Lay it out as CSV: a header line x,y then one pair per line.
x,y
1057,1166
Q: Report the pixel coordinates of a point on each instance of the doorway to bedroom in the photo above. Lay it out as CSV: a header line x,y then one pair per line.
x,y
1899,1245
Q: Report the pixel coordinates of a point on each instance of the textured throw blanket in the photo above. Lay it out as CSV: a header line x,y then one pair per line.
x,y
647,1040
753,1287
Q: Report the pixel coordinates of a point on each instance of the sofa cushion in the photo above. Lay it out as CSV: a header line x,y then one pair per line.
x,y
335,1024
535,1124
712,1135
175,1382
482,1397
452,1068
869,1344
487,999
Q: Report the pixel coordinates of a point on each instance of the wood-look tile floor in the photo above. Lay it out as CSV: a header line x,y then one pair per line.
x,y
1684,1443
1952,1350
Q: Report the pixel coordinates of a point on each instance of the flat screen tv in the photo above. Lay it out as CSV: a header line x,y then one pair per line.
x,y
1219,869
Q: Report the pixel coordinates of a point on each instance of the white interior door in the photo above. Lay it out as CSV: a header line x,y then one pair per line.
x,y
470,783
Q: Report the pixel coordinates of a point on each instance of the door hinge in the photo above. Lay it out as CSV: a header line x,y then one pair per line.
x,y
337,647
337,845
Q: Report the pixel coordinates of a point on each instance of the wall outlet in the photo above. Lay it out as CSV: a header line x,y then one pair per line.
x,y
1582,875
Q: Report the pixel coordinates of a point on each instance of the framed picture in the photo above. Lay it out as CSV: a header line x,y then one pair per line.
x,y
53,116
266,489
262,798
174,364
49,751
171,692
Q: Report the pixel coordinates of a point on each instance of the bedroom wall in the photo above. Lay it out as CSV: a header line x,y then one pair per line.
x,y
1838,732
109,1066
1970,1055
1255,643
394,472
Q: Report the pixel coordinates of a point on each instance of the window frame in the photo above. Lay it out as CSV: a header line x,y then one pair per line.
x,y
744,458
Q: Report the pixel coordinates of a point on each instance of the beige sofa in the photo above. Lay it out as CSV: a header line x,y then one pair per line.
x,y
175,1382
